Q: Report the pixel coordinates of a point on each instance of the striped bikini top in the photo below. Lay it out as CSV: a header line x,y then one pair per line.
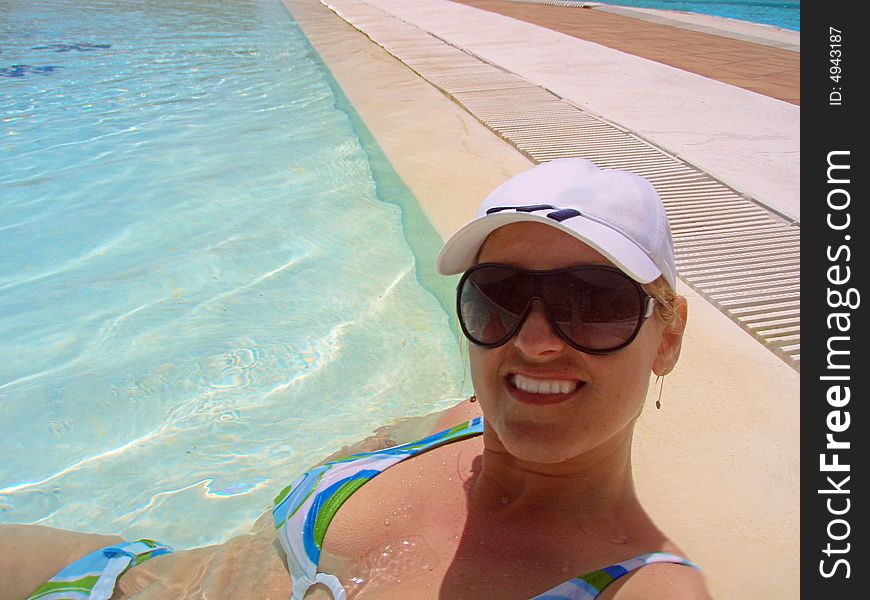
x,y
304,509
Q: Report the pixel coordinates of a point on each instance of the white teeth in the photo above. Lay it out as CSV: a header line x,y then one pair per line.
x,y
543,386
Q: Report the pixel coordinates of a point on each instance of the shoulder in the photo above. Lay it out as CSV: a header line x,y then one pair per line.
x,y
410,429
459,413
659,581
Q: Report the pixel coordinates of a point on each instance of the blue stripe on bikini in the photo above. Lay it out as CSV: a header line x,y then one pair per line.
x,y
312,550
299,492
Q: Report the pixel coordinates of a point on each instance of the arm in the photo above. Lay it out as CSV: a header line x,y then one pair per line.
x,y
30,555
249,565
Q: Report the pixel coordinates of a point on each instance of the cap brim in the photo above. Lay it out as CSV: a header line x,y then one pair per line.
x,y
460,251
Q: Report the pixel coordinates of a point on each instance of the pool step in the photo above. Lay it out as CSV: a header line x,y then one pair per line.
x,y
741,256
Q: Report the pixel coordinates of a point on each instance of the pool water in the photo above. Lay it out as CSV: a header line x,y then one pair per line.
x,y
210,277
785,14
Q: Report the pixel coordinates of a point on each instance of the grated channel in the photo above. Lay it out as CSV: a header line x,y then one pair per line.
x,y
739,255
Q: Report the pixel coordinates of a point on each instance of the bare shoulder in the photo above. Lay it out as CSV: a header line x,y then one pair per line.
x,y
459,413
30,555
410,429
659,581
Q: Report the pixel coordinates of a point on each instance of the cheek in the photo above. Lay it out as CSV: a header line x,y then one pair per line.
x,y
476,362
633,383
631,373
484,365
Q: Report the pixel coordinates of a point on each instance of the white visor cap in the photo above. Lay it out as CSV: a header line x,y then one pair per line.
x,y
616,212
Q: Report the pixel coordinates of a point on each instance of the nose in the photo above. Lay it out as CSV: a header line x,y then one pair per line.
x,y
536,336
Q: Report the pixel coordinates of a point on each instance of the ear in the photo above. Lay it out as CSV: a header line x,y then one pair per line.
x,y
672,339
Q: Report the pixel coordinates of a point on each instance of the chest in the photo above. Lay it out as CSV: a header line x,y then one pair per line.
x,y
410,533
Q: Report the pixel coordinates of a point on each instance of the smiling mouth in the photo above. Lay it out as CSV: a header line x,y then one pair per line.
x,y
532,385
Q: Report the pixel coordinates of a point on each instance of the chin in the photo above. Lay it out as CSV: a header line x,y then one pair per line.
x,y
543,443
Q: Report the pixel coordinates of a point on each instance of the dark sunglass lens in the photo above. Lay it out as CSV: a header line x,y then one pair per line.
x,y
488,304
598,309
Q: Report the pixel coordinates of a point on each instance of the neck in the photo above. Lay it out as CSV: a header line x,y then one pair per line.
x,y
595,484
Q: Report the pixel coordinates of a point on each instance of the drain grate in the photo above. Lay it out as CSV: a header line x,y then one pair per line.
x,y
740,256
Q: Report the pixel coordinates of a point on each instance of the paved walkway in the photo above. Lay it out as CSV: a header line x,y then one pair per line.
x,y
737,55
747,140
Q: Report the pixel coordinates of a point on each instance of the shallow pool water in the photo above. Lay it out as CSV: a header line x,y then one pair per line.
x,y
207,281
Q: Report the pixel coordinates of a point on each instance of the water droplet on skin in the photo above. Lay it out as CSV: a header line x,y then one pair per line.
x,y
505,500
564,570
387,521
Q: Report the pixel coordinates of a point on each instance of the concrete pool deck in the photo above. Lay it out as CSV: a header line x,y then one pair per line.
x,y
731,404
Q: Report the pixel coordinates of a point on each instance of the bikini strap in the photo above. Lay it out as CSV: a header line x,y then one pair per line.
x,y
93,576
589,586
333,583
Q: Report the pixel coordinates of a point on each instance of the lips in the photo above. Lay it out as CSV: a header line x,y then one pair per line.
x,y
541,390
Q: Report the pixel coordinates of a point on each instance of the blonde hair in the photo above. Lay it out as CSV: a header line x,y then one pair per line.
x,y
664,295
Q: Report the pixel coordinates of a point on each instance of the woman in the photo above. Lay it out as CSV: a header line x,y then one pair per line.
x,y
567,301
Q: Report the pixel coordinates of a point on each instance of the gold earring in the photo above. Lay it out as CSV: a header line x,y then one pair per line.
x,y
473,398
660,382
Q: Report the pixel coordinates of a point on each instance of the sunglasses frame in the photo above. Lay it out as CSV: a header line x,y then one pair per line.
x,y
647,306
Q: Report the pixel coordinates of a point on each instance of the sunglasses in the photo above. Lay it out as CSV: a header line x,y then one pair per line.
x,y
595,308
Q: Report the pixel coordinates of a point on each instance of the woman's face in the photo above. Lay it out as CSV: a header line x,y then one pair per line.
x,y
544,401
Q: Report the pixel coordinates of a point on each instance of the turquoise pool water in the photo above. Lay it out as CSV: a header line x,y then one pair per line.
x,y
210,277
785,13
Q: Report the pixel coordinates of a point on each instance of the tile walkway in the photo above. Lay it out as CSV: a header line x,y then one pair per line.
x,y
751,65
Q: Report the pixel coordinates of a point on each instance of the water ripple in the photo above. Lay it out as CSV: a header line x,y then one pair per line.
x,y
253,283
84,462
117,241
202,287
